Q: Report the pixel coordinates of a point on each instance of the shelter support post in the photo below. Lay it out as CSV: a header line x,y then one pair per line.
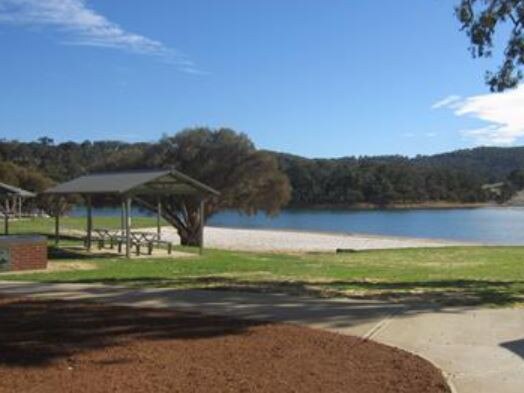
x,y
128,226
158,218
89,223
6,217
122,217
57,221
201,227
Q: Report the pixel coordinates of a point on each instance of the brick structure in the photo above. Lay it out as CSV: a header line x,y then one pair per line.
x,y
23,253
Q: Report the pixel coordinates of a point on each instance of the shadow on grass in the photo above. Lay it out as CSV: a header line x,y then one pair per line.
x,y
72,247
67,252
37,332
439,292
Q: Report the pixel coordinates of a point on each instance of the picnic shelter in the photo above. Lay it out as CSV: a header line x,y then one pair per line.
x,y
126,186
12,198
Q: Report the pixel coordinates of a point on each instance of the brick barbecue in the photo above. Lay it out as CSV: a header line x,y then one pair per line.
x,y
23,252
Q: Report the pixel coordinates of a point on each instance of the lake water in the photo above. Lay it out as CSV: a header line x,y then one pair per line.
x,y
495,225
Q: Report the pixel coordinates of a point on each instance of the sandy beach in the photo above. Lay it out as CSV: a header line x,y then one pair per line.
x,y
300,241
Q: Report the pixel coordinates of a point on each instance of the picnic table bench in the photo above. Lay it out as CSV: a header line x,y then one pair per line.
x,y
138,239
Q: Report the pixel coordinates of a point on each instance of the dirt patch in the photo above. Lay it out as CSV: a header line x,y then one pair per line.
x,y
53,266
70,265
58,346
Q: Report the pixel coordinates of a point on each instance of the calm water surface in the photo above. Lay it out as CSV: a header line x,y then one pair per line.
x,y
497,225
487,225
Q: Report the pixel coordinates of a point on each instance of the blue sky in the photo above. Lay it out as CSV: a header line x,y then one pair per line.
x,y
310,77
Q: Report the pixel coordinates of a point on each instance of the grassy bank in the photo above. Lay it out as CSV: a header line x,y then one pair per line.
x,y
47,225
455,275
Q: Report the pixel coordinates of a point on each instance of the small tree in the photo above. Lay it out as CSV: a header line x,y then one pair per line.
x,y
30,179
248,180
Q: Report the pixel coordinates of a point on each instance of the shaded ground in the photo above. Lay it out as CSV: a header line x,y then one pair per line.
x,y
438,293
50,346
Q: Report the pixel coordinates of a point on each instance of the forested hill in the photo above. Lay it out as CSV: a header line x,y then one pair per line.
x,y
451,177
492,163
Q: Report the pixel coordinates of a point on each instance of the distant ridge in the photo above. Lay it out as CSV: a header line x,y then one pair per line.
x,y
492,164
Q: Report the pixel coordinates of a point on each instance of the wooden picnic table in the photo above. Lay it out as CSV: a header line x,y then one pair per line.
x,y
105,233
138,239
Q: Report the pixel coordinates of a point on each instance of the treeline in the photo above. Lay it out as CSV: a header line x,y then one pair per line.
x,y
378,181
451,177
60,162
26,178
493,164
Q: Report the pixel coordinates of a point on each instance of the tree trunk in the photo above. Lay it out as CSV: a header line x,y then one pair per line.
x,y
182,215
189,237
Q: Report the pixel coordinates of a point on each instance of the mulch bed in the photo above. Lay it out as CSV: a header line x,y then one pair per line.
x,y
66,346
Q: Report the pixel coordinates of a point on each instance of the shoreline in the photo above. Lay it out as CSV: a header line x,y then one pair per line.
x,y
282,240
377,236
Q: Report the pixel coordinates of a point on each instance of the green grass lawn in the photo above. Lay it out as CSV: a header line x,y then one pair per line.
x,y
454,275
47,225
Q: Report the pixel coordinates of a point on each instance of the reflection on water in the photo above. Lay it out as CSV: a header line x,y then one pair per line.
x,y
489,225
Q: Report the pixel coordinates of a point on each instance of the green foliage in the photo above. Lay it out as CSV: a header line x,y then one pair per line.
x,y
63,161
380,181
481,19
247,179
230,163
491,164
516,178
27,178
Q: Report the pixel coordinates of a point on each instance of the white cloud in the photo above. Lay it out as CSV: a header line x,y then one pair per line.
x,y
504,113
446,102
86,27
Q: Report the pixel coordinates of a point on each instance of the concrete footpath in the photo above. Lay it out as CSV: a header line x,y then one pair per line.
x,y
478,349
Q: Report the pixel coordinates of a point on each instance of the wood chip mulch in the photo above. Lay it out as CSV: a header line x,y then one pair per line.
x,y
69,346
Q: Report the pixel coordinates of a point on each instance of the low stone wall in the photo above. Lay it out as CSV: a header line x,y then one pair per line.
x,y
23,253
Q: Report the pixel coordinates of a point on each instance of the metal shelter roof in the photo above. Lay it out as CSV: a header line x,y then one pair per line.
x,y
158,182
6,189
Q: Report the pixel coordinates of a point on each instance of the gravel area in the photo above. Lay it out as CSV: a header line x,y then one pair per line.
x,y
301,241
